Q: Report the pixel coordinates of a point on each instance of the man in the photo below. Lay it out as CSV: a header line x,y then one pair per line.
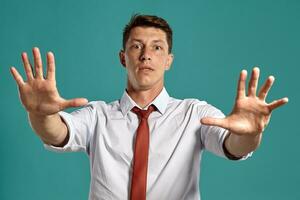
x,y
147,144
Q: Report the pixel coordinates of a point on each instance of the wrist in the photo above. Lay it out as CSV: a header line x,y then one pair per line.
x,y
40,117
240,145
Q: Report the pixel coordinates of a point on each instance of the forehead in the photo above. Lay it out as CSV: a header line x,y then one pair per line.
x,y
147,34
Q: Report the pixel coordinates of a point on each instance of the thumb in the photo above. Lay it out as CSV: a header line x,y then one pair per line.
x,y
77,102
209,121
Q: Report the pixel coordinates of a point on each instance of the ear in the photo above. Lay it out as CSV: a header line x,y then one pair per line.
x,y
122,58
169,61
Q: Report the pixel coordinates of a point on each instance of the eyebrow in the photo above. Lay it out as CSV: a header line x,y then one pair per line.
x,y
136,40
154,41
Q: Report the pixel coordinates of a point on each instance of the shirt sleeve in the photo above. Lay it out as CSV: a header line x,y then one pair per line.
x,y
80,125
213,137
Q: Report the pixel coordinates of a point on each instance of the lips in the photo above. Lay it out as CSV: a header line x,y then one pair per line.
x,y
146,68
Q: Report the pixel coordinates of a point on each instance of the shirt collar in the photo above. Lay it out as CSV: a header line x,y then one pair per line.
x,y
160,102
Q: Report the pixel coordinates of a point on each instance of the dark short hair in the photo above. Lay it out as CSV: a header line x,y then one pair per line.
x,y
148,21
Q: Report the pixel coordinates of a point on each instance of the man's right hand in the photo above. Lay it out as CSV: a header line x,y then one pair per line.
x,y
41,99
39,94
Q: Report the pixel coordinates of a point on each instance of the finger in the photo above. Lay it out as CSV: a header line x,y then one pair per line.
x,y
265,88
37,63
50,66
27,66
209,121
18,78
241,84
74,103
277,103
253,82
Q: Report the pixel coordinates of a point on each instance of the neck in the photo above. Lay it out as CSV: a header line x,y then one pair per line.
x,y
143,97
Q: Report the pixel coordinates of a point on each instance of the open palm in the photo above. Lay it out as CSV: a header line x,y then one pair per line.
x,y
39,94
251,114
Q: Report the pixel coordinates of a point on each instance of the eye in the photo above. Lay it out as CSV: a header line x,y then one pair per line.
x,y
157,47
136,46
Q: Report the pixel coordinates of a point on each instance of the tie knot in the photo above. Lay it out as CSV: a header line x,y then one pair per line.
x,y
143,114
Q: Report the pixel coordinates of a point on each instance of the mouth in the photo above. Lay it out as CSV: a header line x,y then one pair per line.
x,y
145,68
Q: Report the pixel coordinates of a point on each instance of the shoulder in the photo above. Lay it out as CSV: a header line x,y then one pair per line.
x,y
201,107
97,107
189,102
103,106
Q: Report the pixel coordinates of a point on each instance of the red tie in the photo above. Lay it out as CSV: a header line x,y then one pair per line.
x,y
140,159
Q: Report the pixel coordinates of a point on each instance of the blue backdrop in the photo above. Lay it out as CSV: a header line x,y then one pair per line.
x,y
213,41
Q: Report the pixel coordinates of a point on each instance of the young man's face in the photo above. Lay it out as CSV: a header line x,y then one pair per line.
x,y
146,58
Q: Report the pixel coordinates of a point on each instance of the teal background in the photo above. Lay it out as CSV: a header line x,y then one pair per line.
x,y
213,41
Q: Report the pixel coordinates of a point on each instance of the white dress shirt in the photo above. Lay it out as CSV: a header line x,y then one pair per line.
x,y
106,132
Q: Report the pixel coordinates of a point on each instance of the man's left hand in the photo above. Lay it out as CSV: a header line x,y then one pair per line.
x,y
251,114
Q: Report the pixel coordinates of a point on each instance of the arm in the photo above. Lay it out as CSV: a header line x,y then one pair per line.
x,y
239,146
249,117
40,97
50,128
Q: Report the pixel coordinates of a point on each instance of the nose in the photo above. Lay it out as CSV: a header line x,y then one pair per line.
x,y
145,55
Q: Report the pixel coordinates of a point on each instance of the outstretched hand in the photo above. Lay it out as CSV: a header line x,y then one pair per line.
x,y
39,94
251,114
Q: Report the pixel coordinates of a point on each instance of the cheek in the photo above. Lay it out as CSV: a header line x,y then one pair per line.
x,y
161,61
131,58
162,56
128,60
